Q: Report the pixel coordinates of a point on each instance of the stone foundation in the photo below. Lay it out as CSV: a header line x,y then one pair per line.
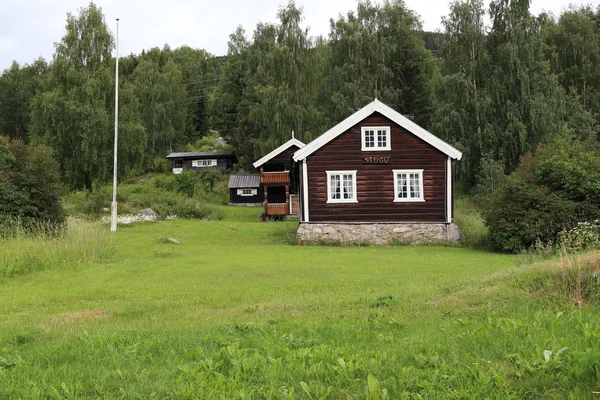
x,y
377,233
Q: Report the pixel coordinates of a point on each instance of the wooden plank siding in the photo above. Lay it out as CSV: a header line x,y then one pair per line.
x,y
222,165
235,198
375,182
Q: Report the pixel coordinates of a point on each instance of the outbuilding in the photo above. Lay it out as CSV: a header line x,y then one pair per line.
x,y
278,179
377,177
245,190
197,161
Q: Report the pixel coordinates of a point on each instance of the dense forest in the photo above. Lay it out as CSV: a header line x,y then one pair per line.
x,y
494,91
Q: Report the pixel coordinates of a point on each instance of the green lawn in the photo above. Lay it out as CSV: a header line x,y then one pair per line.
x,y
234,311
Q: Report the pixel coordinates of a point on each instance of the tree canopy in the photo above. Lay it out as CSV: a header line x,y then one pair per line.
x,y
495,91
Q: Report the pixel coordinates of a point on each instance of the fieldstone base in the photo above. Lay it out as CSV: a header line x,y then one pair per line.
x,y
247,204
378,234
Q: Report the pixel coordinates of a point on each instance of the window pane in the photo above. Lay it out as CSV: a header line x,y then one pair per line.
x,y
402,189
381,138
369,138
348,187
335,187
415,188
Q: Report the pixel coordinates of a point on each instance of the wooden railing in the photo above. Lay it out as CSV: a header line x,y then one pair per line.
x,y
275,177
276,209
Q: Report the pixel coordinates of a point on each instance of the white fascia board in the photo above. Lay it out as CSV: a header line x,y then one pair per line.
x,y
377,106
277,151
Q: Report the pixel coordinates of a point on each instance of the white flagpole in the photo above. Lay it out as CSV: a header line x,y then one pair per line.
x,y
113,221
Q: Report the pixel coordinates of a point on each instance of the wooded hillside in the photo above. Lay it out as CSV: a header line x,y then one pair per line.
x,y
494,92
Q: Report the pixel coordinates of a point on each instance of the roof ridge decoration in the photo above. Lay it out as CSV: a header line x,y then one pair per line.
x,y
395,116
277,151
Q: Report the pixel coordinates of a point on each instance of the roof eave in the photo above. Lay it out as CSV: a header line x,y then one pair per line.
x,y
278,150
377,106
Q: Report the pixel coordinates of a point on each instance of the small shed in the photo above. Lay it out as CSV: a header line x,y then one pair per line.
x,y
197,161
245,190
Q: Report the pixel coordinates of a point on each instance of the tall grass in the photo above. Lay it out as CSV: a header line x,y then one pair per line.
x,y
25,250
470,222
575,277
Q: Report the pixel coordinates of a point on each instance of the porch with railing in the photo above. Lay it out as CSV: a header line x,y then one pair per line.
x,y
276,209
275,177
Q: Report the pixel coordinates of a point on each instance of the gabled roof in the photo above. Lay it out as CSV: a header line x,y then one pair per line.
x,y
202,154
279,150
377,106
239,181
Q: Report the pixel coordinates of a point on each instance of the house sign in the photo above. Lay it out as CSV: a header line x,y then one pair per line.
x,y
376,160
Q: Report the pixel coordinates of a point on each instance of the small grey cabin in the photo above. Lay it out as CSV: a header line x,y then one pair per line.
x,y
245,190
197,161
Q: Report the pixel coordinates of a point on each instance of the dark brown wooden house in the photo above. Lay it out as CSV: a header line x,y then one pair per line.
x,y
377,167
197,161
245,190
278,178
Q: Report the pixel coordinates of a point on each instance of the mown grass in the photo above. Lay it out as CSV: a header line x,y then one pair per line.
x,y
233,311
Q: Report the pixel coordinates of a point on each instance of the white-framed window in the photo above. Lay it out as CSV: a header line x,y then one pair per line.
x,y
408,185
204,163
247,192
375,138
341,187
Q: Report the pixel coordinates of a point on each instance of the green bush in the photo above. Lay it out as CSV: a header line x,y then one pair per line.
x,y
161,165
30,187
585,236
186,183
550,192
209,177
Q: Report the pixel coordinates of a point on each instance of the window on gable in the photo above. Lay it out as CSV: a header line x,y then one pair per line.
x,y
341,187
375,138
408,185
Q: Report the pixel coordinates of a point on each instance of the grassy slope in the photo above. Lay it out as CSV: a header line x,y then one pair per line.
x,y
236,312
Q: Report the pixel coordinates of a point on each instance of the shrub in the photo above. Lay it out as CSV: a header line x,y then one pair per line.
x,y
585,236
30,187
550,192
186,183
209,177
161,165
166,182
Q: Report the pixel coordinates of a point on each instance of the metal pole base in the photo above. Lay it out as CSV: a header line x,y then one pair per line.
x,y
113,214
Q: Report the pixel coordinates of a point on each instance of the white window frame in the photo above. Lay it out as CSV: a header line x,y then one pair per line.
x,y
421,197
354,198
204,163
388,138
247,192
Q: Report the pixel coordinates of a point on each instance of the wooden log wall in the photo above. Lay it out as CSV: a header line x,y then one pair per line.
x,y
375,182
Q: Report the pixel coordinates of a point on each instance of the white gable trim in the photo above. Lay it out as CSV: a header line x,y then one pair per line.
x,y
279,150
377,106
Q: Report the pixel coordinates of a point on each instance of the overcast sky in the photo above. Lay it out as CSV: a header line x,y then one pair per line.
x,y
29,28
